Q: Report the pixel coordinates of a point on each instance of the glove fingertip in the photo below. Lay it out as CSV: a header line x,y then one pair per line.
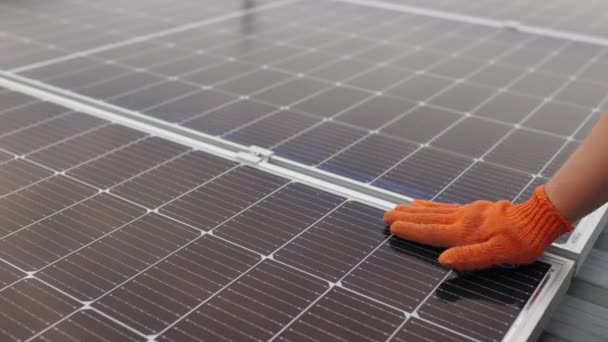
x,y
391,217
447,260
463,258
387,217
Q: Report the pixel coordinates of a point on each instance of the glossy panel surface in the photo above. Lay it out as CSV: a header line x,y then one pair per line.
x,y
269,78
161,239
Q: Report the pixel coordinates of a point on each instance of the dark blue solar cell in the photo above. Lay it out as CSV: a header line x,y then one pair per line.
x,y
413,274
253,82
335,244
79,79
226,118
485,181
293,91
508,107
153,95
583,93
558,118
422,124
219,73
471,136
119,85
380,78
419,87
424,174
33,307
464,97
332,102
278,218
375,112
525,150
5,156
369,158
340,70
273,129
186,107
319,143
538,84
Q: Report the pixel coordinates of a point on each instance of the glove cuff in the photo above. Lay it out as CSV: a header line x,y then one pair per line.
x,y
542,216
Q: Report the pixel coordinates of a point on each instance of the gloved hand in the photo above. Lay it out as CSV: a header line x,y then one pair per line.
x,y
482,234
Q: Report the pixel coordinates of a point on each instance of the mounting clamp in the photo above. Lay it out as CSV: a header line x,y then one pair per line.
x,y
511,25
254,155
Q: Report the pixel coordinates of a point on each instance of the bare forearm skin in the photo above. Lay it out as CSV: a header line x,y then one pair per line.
x,y
581,184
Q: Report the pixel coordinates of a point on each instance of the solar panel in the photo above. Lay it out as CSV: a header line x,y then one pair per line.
x,y
109,233
317,94
482,321
588,17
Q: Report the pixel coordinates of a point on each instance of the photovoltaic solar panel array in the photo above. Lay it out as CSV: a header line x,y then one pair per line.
x,y
111,234
425,107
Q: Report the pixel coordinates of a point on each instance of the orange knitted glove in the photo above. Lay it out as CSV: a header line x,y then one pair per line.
x,y
482,234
